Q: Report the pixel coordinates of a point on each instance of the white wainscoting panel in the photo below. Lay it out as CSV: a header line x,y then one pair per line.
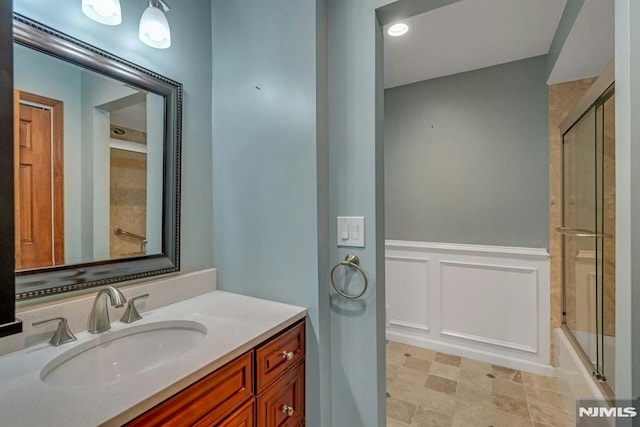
x,y
485,302
408,309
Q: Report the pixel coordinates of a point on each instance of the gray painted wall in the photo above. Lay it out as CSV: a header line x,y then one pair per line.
x,y
269,165
187,61
467,157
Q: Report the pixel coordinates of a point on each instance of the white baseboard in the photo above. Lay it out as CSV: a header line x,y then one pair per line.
x,y
471,353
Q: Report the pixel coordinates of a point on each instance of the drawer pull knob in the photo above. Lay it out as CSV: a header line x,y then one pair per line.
x,y
287,410
287,355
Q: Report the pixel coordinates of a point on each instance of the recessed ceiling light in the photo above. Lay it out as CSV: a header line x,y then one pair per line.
x,y
398,29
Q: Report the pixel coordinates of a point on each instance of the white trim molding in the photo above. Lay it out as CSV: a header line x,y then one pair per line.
x,y
490,303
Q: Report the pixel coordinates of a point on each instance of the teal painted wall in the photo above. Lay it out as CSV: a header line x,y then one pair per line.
x,y
467,157
269,165
52,78
187,61
356,147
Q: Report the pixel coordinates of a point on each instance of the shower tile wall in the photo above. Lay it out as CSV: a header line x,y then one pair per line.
x,y
128,198
609,218
562,98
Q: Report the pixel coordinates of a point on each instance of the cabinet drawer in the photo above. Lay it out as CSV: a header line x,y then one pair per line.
x,y
243,417
282,403
278,355
207,401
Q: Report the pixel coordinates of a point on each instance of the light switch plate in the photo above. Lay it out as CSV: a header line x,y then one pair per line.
x,y
350,231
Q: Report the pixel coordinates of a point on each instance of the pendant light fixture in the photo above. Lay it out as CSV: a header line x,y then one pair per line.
x,y
106,12
154,28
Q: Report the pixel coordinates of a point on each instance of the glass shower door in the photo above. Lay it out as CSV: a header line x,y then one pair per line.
x,y
580,243
606,209
589,234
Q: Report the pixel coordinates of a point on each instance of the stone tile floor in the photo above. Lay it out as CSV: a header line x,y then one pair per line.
x,y
430,389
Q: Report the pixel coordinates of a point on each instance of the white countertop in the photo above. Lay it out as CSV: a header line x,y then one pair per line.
x,y
234,323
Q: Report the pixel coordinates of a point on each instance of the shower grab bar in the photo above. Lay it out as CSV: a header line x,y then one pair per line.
x,y
579,232
120,232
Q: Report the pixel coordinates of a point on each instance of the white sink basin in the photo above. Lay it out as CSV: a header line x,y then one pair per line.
x,y
117,355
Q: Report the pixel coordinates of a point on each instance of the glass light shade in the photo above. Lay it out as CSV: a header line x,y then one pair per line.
x,y
106,12
154,29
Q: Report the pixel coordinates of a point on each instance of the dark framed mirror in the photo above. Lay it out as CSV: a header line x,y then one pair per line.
x,y
8,324
97,143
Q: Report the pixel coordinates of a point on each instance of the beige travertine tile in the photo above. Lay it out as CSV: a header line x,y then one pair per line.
x,y
392,371
395,358
429,418
394,423
423,353
511,405
447,359
408,385
434,398
549,415
473,414
406,392
463,422
398,347
436,401
469,394
475,365
445,371
420,353
506,373
538,381
502,419
509,388
400,410
547,397
475,378
419,364
411,376
443,385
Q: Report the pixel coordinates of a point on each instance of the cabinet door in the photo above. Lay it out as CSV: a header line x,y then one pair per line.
x,y
282,404
278,355
207,401
243,417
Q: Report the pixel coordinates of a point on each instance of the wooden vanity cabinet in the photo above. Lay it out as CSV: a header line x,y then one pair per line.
x,y
207,401
282,404
245,416
262,388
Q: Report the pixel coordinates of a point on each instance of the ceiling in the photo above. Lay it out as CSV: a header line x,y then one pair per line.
x,y
468,35
590,45
132,117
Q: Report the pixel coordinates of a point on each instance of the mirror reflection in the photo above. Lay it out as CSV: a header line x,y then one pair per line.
x,y
88,165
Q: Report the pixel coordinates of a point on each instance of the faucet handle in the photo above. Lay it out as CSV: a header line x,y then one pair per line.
x,y
132,314
62,335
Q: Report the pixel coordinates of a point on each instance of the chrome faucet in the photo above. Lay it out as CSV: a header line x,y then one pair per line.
x,y
99,317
